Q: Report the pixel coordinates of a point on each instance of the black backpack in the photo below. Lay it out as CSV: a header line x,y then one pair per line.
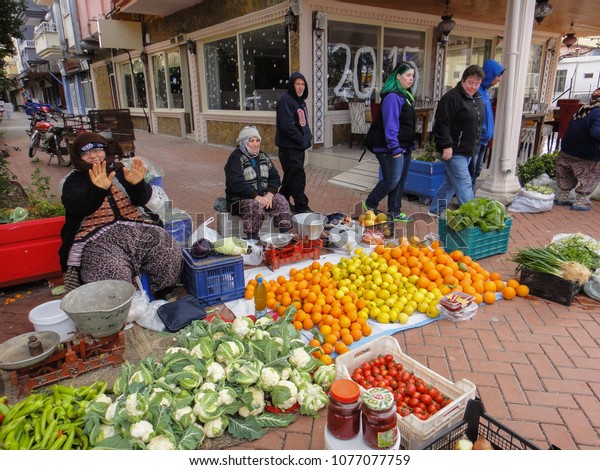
x,y
375,137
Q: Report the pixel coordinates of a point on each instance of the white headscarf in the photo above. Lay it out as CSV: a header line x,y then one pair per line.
x,y
244,137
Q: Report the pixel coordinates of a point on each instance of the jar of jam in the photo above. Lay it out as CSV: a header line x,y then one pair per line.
x,y
379,422
343,412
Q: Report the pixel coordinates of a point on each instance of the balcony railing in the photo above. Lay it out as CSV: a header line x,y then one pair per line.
x,y
44,28
28,44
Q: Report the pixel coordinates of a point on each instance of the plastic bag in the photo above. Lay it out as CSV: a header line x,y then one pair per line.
x,y
530,201
178,223
255,254
592,287
158,201
204,231
144,313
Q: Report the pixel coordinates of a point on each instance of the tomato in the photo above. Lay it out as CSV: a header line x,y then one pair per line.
x,y
421,416
403,411
399,367
393,372
426,399
389,358
413,402
394,384
411,389
365,366
416,395
432,409
405,376
421,387
439,399
434,392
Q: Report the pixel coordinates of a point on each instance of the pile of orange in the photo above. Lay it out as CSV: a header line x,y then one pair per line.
x,y
339,313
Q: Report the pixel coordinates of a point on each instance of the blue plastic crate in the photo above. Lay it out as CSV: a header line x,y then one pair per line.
x,y
214,280
424,178
473,242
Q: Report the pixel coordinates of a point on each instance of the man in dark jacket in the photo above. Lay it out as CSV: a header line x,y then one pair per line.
x,y
293,137
457,131
493,71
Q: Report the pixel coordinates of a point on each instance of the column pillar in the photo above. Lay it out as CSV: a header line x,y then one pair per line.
x,y
502,182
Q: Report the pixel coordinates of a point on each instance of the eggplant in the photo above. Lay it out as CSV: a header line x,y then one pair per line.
x,y
202,248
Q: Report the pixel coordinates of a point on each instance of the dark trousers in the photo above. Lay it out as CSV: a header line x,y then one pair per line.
x,y
391,183
294,177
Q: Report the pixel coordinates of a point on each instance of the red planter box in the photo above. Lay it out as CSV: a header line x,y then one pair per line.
x,y
29,251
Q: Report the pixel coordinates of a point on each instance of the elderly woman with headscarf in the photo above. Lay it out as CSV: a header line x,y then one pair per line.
x,y
108,234
252,184
578,162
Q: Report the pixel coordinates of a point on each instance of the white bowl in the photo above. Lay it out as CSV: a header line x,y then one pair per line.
x,y
309,225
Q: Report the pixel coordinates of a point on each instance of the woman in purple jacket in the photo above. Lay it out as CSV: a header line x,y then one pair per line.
x,y
394,139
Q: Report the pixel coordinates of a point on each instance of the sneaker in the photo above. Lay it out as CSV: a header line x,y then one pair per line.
x,y
560,202
366,208
402,217
580,208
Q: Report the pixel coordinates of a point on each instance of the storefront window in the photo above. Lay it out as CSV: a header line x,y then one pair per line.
x,y
175,85
160,84
262,69
462,51
86,85
134,85
357,65
351,63
534,68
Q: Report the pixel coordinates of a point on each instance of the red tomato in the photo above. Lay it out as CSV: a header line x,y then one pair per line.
x,y
388,358
413,402
421,387
426,399
405,376
432,409
411,389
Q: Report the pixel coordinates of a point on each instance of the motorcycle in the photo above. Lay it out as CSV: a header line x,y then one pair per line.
x,y
51,139
41,114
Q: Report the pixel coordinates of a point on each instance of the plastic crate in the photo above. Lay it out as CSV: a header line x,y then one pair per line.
x,y
550,287
415,432
477,424
473,242
214,280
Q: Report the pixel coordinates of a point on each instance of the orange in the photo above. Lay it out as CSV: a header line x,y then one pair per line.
x,y
326,359
356,333
379,249
366,329
500,284
325,329
522,290
331,339
490,286
314,342
494,276
327,348
457,255
298,325
340,347
347,339
509,293
249,294
489,297
308,323
512,283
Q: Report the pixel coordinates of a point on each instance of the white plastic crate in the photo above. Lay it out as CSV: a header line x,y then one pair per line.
x,y
415,432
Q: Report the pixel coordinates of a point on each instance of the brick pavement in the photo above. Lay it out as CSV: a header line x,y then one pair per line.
x,y
535,363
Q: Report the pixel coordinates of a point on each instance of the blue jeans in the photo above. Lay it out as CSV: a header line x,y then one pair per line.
x,y
476,164
457,180
391,183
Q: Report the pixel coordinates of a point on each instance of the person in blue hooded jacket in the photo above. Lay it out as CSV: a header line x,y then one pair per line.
x,y
493,71
293,137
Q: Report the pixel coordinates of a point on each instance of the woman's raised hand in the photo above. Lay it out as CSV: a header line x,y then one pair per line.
x,y
99,177
137,171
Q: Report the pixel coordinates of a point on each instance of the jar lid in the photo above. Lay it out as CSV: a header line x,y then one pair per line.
x,y
345,390
378,399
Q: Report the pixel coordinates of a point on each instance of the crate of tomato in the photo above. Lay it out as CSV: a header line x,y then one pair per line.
x,y
427,404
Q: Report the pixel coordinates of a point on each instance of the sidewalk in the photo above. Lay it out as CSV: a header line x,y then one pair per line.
x,y
535,363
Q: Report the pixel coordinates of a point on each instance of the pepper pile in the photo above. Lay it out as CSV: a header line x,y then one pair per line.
x,y
48,421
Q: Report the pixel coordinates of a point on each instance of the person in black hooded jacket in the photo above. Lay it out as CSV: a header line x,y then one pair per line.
x,y
293,137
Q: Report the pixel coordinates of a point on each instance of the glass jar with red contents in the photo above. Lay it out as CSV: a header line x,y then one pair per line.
x,y
380,428
343,412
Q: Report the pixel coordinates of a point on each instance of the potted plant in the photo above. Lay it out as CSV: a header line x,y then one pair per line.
x,y
30,224
425,174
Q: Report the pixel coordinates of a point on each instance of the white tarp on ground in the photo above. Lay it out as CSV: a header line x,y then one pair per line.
x,y
243,307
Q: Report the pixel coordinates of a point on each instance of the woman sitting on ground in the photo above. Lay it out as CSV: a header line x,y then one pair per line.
x,y
252,184
108,234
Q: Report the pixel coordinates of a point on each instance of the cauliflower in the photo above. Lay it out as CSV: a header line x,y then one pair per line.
x,y
103,399
185,416
257,405
264,322
110,412
284,395
227,396
299,358
142,430
106,431
161,442
269,378
215,372
216,427
133,406
242,326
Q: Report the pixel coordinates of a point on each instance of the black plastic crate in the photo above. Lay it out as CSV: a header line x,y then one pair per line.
x,y
477,424
550,287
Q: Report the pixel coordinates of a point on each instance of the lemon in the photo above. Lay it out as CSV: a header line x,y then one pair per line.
x,y
383,318
402,318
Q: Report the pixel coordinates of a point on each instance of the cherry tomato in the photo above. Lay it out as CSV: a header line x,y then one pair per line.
x,y
405,376
432,409
421,416
413,402
426,399
389,358
411,389
421,387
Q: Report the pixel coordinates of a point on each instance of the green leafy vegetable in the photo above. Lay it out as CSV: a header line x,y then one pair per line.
x,y
578,247
487,214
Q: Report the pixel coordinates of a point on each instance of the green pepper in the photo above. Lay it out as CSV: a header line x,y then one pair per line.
x,y
6,429
69,441
49,434
59,442
4,410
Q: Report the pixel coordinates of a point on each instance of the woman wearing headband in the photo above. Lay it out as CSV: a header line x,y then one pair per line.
x,y
252,184
108,234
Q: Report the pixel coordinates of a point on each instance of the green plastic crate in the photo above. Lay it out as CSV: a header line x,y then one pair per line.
x,y
473,242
